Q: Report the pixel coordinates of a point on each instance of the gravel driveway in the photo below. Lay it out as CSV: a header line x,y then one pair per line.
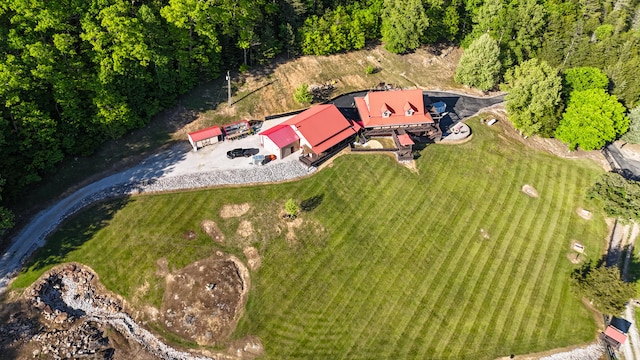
x,y
178,167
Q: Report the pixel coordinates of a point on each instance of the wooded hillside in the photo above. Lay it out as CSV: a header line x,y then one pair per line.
x,y
76,72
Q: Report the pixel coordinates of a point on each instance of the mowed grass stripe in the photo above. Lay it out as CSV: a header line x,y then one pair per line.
x,y
401,250
550,258
494,262
523,276
427,349
545,246
463,328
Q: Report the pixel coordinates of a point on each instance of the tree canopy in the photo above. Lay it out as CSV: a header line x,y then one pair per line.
x,y
633,134
533,101
592,119
403,25
620,197
604,287
584,78
480,64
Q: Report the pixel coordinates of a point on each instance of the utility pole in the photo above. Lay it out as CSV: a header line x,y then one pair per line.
x,y
229,87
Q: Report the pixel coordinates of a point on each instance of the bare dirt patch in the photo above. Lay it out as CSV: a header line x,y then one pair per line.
x,y
530,191
211,228
585,214
234,210
245,229
204,300
254,261
292,225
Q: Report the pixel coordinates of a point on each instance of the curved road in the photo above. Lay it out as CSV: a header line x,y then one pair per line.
x,y
181,168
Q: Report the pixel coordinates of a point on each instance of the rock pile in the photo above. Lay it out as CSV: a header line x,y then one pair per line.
x,y
70,295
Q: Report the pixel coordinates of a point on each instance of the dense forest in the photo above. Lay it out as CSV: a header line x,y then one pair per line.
x,y
74,73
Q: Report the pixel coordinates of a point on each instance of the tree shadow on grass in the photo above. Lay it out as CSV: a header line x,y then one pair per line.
x,y
311,203
74,232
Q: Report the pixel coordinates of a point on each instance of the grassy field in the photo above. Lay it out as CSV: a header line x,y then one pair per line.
x,y
390,264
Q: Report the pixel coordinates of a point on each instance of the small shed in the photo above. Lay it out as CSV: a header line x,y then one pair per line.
x,y
614,337
281,140
204,137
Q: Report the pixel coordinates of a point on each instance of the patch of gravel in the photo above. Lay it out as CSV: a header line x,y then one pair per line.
x,y
591,352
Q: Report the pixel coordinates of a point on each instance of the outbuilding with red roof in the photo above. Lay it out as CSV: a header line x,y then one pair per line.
x,y
204,137
280,140
319,130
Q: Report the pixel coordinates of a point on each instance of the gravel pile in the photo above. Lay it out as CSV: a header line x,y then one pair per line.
x,y
591,352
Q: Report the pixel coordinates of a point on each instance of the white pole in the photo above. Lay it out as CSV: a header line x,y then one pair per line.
x,y
229,87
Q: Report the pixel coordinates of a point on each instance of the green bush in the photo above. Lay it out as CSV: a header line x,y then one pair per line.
x,y
370,70
302,94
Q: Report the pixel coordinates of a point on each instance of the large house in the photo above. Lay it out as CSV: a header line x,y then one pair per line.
x,y
397,111
399,114
318,131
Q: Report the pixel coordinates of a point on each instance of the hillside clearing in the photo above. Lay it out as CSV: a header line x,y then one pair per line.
x,y
391,263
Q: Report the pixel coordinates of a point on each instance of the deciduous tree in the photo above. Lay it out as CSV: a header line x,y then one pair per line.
x,y
480,64
403,25
592,119
583,78
533,100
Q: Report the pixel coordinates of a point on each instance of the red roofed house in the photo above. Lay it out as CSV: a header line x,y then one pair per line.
x,y
204,137
319,129
398,114
280,140
382,112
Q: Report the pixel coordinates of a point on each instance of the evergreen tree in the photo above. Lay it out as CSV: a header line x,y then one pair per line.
x,y
633,135
480,64
604,287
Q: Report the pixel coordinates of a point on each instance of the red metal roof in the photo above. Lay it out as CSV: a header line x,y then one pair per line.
x,y
405,140
205,133
281,135
615,334
323,126
372,106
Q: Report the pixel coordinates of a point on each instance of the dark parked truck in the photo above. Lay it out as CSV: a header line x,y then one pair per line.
x,y
236,130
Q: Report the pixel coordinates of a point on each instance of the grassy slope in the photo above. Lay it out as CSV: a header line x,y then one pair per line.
x,y
399,271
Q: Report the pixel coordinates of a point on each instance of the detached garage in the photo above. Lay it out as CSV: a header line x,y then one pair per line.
x,y
280,140
204,137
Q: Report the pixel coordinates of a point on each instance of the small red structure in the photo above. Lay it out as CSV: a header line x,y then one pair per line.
x,y
204,137
614,337
280,139
405,140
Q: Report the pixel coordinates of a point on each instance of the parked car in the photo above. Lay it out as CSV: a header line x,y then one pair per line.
x,y
232,154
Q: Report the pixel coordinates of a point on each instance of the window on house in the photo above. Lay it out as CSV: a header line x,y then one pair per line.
x,y
409,112
386,114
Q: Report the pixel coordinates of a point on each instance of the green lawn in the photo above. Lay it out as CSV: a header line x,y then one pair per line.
x,y
396,265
